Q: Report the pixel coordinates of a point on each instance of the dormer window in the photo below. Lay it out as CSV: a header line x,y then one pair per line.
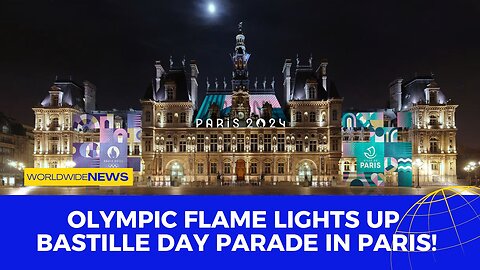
x,y
311,92
169,93
54,100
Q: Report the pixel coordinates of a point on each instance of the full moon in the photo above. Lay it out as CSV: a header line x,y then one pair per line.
x,y
211,8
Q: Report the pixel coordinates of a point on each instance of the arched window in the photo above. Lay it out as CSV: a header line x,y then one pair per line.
x,y
312,116
433,120
346,166
298,117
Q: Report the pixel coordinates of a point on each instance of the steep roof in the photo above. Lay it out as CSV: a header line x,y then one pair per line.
x,y
304,74
73,94
177,76
413,91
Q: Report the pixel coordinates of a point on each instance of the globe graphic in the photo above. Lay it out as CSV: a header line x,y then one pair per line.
x,y
452,214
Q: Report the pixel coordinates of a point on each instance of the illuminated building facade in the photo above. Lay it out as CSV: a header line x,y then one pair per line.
x,y
16,147
431,130
240,133
69,132
434,130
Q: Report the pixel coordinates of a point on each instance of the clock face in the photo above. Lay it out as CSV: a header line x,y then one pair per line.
x,y
241,115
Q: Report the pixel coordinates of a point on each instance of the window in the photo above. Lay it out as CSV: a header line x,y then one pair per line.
x,y
298,145
298,117
334,115
200,143
312,147
55,100
183,146
54,148
346,166
434,145
183,117
267,168
312,117
54,123
311,93
281,143
136,150
433,120
254,143
213,167
213,143
281,168
170,93
226,143
148,116
200,168
253,168
435,166
241,143
169,117
226,168
267,143
169,146
334,145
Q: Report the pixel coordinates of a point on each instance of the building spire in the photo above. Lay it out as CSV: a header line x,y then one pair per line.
x,y
240,61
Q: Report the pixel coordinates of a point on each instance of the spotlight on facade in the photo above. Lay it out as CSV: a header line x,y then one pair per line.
x,y
70,164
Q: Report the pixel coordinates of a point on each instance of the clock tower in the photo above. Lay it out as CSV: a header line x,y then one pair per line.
x,y
240,81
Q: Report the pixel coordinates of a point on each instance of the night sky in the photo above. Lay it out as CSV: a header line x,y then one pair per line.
x,y
114,45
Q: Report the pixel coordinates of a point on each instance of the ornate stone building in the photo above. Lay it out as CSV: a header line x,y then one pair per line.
x,y
53,131
68,117
434,131
240,133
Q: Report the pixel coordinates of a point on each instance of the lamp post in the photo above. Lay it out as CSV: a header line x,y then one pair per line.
x,y
418,163
17,165
471,167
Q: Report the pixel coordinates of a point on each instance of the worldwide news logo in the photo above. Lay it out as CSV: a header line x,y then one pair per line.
x,y
78,177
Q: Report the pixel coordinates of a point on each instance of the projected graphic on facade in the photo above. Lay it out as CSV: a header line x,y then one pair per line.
x,y
382,154
118,138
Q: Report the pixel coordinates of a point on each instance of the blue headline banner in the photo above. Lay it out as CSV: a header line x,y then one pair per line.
x,y
31,226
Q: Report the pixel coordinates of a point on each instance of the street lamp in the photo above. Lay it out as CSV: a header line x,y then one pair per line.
x,y
418,163
471,167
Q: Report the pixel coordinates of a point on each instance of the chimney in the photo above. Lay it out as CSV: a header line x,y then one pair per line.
x,y
323,70
287,79
159,74
90,92
396,94
193,82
